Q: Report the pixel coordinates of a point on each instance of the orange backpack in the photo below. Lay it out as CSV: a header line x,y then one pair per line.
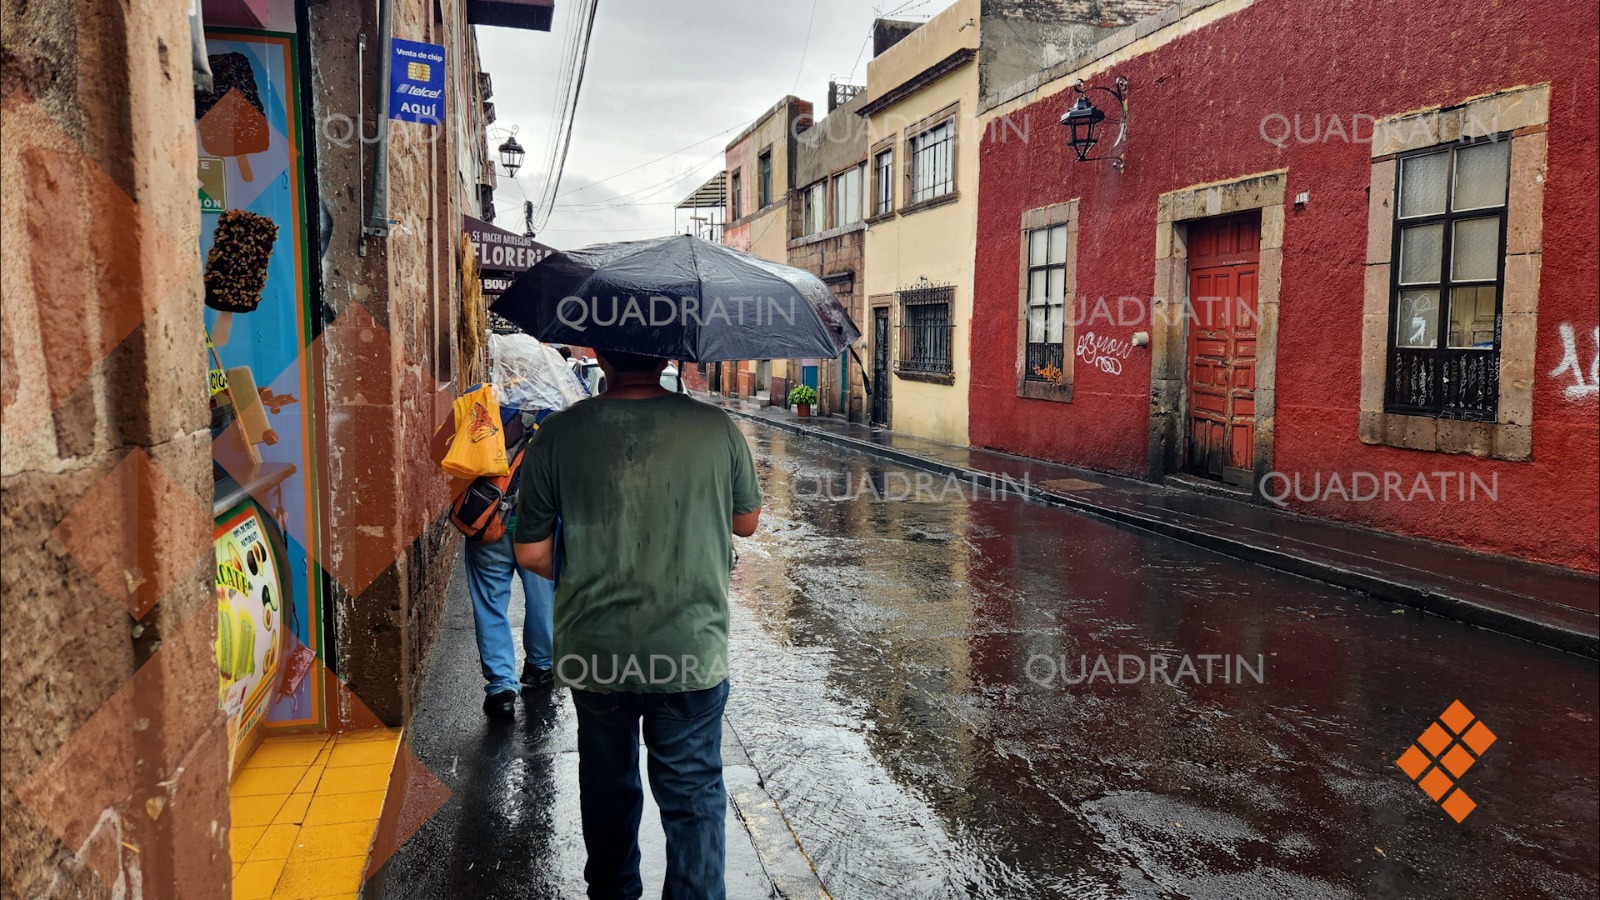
x,y
480,512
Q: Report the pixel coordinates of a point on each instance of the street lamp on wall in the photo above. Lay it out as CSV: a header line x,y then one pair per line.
x,y
1084,118
511,154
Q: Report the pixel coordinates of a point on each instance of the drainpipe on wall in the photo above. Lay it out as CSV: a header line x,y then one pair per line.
x,y
378,222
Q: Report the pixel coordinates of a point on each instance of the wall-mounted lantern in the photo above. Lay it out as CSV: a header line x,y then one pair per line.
x,y
511,154
1084,118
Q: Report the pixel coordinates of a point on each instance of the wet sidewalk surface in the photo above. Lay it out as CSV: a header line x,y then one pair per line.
x,y
1546,604
512,828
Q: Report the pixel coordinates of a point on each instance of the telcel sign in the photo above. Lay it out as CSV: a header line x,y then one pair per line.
x,y
416,82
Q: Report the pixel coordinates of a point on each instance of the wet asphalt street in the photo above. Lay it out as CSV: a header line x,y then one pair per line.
x,y
899,667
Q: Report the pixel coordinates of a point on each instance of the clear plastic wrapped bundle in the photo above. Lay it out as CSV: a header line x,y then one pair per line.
x,y
531,376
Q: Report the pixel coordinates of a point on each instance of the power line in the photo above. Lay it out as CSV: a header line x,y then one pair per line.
x,y
560,98
810,21
656,160
547,199
650,189
569,49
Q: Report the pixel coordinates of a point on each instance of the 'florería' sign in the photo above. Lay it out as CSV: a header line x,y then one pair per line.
x,y
502,255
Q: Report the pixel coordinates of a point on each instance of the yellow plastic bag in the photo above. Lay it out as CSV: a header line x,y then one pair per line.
x,y
479,445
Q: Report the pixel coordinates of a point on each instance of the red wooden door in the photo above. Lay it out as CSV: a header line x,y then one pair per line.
x,y
1224,258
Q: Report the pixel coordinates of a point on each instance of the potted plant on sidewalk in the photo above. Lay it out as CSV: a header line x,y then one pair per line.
x,y
801,397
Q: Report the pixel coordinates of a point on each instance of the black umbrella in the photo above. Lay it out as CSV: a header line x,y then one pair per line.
x,y
678,297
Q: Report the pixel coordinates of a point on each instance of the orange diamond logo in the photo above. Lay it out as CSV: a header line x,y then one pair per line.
x,y
1479,738
1412,762
1446,746
1457,717
1435,783
1457,805
1434,740
1458,760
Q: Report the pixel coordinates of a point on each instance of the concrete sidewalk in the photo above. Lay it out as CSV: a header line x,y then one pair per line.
x,y
511,827
1545,604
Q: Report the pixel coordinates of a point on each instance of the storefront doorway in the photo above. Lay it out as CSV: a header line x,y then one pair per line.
x,y
1224,263
880,366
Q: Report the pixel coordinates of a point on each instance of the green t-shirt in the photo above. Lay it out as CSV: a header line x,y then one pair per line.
x,y
646,491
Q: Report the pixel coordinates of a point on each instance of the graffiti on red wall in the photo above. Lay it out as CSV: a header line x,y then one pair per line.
x,y
1105,353
1581,387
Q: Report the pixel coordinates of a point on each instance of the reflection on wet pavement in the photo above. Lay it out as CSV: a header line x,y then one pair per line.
x,y
882,654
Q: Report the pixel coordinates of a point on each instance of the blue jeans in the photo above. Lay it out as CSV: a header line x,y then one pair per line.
x,y
490,568
683,734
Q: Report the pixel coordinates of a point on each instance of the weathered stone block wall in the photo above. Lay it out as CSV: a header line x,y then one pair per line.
x,y
114,748
392,373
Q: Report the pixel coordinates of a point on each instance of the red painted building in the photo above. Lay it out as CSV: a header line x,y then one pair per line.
x,y
1321,265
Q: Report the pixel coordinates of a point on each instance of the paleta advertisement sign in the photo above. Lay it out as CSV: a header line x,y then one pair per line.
x,y
251,637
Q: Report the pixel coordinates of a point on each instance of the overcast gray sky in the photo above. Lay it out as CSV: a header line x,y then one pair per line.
x,y
662,76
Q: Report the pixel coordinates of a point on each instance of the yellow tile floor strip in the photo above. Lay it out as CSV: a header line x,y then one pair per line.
x,y
305,808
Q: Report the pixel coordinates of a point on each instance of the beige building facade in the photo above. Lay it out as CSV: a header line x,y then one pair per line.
x,y
922,96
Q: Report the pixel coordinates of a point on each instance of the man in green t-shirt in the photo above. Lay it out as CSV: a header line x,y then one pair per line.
x,y
649,488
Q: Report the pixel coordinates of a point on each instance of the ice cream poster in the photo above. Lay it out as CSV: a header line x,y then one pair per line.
x,y
251,630
253,241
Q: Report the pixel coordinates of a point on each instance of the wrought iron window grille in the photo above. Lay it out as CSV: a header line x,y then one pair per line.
x,y
926,329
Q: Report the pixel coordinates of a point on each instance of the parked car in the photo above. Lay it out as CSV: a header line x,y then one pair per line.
x,y
589,372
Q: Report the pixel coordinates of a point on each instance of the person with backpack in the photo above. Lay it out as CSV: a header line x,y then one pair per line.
x,y
483,508
497,421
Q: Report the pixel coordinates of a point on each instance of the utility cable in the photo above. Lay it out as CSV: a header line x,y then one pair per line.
x,y
569,52
649,189
810,21
554,184
656,160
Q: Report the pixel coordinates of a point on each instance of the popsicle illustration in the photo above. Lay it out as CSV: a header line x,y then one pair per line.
x,y
231,120
236,266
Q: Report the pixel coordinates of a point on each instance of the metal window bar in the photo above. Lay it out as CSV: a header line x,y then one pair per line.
x,y
885,186
930,163
926,331
1042,358
1442,381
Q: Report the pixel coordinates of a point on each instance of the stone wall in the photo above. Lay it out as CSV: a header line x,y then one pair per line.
x,y
388,358
114,746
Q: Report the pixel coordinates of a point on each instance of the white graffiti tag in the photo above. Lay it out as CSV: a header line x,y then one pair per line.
x,y
1580,388
1105,353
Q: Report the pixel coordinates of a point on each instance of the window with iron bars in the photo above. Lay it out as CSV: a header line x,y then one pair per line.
x,y
883,182
926,330
1047,290
931,162
1449,242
